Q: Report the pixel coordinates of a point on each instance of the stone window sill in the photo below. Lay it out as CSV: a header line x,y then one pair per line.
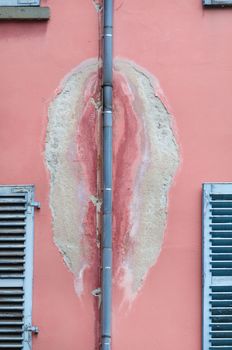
x,y
24,13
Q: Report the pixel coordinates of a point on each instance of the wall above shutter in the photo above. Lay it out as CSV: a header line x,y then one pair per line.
x,y
217,266
16,261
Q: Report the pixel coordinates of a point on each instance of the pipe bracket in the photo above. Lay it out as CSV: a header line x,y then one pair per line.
x,y
98,294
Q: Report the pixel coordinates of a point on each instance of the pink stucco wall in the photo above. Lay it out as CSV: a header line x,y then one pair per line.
x,y
189,50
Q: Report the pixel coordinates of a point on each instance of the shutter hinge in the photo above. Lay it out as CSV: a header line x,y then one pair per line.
x,y
32,204
35,204
32,329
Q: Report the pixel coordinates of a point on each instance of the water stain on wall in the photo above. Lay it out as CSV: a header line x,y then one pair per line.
x,y
145,159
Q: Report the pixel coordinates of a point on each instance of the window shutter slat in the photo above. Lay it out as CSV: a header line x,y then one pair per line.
x,y
217,266
16,261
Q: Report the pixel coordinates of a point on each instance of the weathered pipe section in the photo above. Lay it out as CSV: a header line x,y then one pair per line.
x,y
145,159
106,242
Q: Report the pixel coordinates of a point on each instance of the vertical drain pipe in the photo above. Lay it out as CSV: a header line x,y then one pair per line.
x,y
106,275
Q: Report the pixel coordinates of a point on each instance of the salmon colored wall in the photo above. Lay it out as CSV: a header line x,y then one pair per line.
x,y
189,50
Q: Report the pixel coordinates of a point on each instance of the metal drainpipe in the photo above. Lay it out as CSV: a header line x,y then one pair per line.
x,y
106,274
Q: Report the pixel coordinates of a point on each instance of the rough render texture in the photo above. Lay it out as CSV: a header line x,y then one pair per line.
x,y
145,159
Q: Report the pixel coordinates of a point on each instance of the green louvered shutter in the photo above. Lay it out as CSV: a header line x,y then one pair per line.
x,y
16,266
217,266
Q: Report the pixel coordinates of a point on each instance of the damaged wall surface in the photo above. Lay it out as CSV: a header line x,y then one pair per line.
x,y
145,158
165,145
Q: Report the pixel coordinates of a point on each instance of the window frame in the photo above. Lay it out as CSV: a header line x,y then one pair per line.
x,y
19,3
217,3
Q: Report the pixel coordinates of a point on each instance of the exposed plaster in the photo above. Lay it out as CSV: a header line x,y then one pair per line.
x,y
97,202
146,158
97,5
153,171
69,193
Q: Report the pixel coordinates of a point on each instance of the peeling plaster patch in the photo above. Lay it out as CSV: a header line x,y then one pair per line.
x,y
96,202
71,187
97,5
145,159
147,180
